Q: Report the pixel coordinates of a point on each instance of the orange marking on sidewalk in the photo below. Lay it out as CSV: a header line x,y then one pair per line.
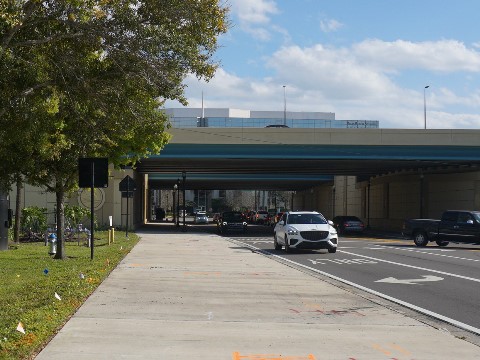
x,y
313,305
400,349
379,348
237,356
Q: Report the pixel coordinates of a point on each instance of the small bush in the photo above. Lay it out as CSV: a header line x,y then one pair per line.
x,y
34,220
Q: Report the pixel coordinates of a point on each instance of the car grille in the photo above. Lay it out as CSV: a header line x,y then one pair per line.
x,y
314,235
234,226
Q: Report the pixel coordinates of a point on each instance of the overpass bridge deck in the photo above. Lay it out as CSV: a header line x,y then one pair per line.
x,y
218,157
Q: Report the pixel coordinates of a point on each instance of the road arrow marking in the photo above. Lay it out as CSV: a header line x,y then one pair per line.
x,y
426,278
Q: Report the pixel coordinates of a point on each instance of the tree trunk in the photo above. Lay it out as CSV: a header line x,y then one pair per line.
x,y
60,216
18,210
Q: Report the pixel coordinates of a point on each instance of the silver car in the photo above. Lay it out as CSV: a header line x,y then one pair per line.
x,y
201,219
305,230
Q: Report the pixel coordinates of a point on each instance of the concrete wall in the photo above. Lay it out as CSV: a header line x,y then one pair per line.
x,y
318,199
108,201
389,200
329,136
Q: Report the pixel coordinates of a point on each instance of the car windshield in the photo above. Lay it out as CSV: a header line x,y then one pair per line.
x,y
232,217
306,219
476,215
351,218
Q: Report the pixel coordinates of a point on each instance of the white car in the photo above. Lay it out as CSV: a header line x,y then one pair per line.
x,y
200,219
305,230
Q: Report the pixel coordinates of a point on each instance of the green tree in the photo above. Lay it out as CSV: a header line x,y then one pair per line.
x,y
87,78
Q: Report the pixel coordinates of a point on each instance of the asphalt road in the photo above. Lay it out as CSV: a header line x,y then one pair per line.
x,y
440,282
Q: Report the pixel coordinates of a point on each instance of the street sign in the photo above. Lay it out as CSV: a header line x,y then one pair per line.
x,y
127,184
100,172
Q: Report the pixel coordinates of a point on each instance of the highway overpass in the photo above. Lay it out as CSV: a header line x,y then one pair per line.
x,y
296,159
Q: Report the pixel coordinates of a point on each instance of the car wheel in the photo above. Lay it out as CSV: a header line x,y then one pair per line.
x,y
332,250
287,246
442,243
420,239
275,243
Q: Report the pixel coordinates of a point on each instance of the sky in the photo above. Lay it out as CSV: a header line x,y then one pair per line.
x,y
361,59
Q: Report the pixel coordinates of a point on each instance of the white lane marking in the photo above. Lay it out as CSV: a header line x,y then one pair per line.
x,y
341,261
371,291
411,266
426,278
382,247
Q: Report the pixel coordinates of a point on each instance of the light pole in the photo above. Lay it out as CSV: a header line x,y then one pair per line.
x,y
285,105
174,210
184,176
178,201
425,107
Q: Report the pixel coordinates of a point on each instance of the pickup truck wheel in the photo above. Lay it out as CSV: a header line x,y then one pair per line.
x,y
442,243
420,239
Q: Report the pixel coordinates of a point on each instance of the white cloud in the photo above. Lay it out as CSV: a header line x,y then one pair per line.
x,y
331,71
356,83
254,11
254,16
441,56
330,25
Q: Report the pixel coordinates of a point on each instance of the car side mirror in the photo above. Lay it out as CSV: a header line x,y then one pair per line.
x,y
330,222
281,222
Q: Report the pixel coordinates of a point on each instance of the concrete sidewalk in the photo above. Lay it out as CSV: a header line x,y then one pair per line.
x,y
198,296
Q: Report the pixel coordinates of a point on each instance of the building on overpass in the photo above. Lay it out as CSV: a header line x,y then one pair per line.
x,y
226,117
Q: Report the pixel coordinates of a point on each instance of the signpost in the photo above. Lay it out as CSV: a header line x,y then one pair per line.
x,y
127,186
92,173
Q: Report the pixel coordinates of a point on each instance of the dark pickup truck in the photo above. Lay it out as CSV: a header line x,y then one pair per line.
x,y
455,226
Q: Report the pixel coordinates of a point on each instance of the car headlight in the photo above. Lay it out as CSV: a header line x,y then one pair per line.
x,y
224,223
244,223
292,231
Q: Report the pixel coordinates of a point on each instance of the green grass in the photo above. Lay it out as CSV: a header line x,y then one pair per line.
x,y
30,278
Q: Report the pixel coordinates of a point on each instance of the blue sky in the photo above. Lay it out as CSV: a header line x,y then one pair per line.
x,y
362,59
